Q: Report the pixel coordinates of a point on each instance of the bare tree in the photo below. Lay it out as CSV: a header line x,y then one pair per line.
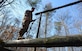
x,y
4,3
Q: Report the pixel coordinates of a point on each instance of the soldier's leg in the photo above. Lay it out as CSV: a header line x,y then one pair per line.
x,y
24,29
21,32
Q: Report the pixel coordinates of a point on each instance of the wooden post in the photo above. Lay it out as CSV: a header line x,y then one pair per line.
x,y
38,28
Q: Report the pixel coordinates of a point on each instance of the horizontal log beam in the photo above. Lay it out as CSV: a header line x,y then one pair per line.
x,y
59,7
4,49
57,41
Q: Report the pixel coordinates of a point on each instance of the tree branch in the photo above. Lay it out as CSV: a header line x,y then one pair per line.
x,y
1,1
57,41
6,4
59,7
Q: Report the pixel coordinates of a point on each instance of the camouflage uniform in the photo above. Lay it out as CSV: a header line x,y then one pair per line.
x,y
26,21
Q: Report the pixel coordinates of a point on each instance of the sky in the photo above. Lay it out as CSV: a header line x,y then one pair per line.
x,y
72,9
18,8
55,3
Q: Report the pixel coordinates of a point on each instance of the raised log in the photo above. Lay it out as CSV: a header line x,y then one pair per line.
x,y
56,41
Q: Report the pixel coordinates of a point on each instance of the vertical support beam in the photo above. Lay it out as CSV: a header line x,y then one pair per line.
x,y
38,28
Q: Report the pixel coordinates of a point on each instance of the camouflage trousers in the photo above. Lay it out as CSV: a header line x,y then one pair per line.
x,y
24,28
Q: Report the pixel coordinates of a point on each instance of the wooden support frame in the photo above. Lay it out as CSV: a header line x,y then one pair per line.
x,y
59,7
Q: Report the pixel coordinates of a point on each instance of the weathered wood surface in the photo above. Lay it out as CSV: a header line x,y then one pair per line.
x,y
56,41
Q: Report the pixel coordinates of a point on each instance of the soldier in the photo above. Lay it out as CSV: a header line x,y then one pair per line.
x,y
26,21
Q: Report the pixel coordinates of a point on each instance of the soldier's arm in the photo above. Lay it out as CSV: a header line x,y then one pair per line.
x,y
32,20
32,9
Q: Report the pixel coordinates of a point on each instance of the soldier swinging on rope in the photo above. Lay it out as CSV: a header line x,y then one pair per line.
x,y
26,21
